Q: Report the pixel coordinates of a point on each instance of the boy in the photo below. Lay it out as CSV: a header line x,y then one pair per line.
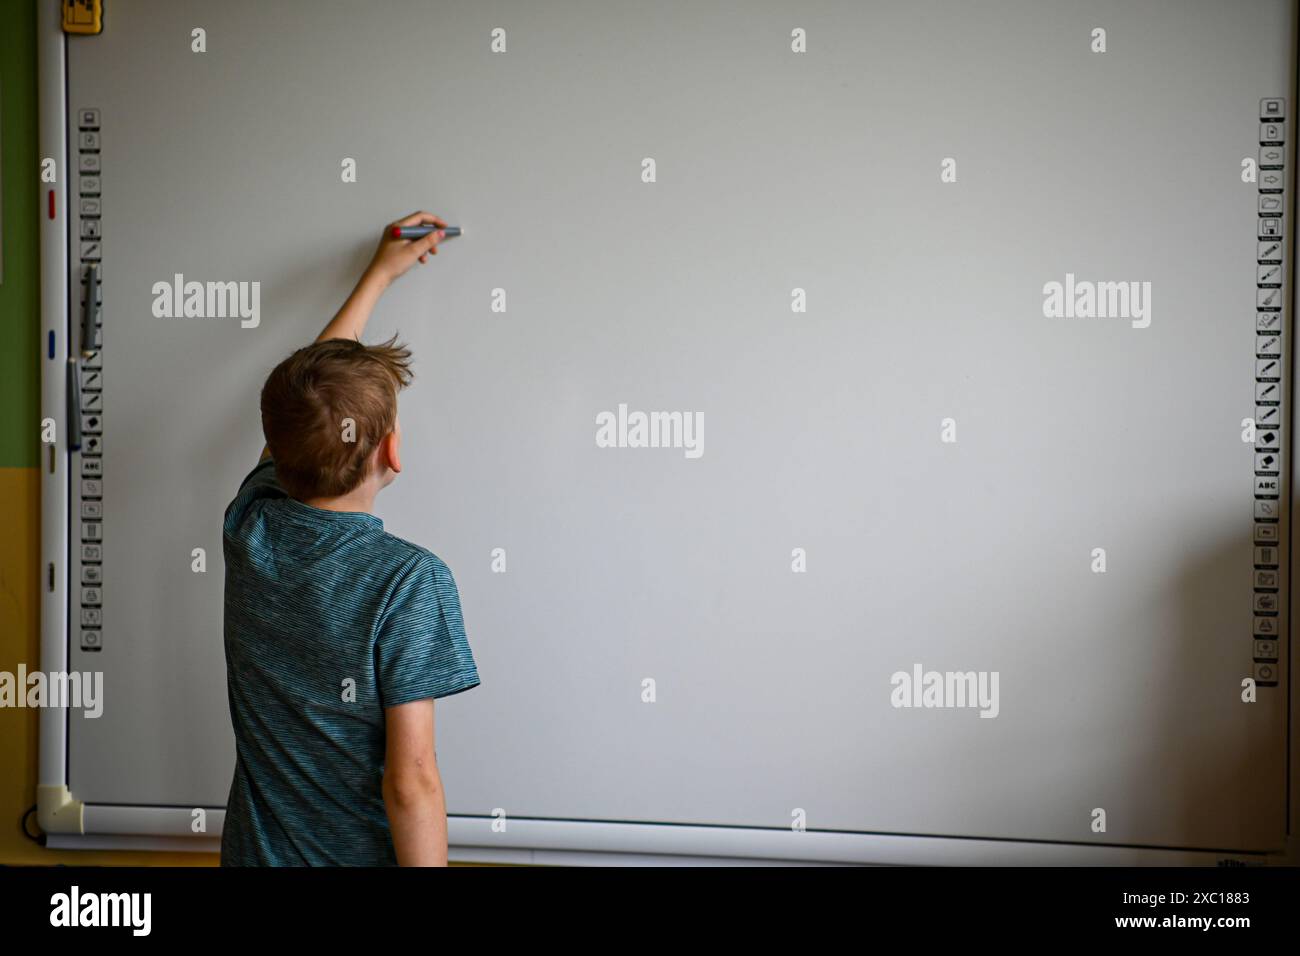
x,y
338,635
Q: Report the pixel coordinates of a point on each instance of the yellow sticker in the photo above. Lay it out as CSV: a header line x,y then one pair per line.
x,y
83,16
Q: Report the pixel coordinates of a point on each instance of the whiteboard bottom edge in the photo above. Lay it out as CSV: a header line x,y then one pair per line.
x,y
595,843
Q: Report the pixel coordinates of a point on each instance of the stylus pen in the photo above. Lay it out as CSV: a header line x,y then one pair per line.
x,y
419,232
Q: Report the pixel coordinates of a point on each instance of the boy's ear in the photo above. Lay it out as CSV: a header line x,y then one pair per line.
x,y
390,453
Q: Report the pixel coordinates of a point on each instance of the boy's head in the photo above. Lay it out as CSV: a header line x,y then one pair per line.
x,y
329,413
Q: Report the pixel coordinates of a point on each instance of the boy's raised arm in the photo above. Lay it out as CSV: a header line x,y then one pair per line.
x,y
391,260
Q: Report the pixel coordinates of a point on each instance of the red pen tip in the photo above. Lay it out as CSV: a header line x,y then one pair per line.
x,y
397,232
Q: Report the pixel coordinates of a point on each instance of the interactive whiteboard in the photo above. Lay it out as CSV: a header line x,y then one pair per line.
x,y
833,414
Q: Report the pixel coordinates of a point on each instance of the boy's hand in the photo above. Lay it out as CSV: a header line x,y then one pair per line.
x,y
391,259
395,256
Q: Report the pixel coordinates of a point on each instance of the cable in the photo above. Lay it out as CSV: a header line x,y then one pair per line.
x,y
35,838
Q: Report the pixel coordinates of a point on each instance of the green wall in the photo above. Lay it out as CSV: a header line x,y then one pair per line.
x,y
20,204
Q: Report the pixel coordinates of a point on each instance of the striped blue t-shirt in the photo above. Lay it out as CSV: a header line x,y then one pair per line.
x,y
328,620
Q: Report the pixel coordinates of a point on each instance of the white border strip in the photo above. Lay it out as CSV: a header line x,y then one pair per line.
x,y
592,843
619,843
139,844
52,114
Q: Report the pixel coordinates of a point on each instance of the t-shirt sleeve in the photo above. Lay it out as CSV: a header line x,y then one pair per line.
x,y
260,483
262,476
421,650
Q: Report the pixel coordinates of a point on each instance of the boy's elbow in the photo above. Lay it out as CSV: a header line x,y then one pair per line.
x,y
411,786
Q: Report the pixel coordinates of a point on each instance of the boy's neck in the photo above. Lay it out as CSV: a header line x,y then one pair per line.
x,y
360,499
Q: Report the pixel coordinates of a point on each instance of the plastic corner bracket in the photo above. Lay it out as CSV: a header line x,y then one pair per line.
x,y
58,811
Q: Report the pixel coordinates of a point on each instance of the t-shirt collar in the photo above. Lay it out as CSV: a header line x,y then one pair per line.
x,y
324,514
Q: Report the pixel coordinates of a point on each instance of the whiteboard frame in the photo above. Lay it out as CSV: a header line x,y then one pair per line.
x,y
70,824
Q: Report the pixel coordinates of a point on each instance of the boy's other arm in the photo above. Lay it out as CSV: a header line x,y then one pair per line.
x,y
412,787
391,259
